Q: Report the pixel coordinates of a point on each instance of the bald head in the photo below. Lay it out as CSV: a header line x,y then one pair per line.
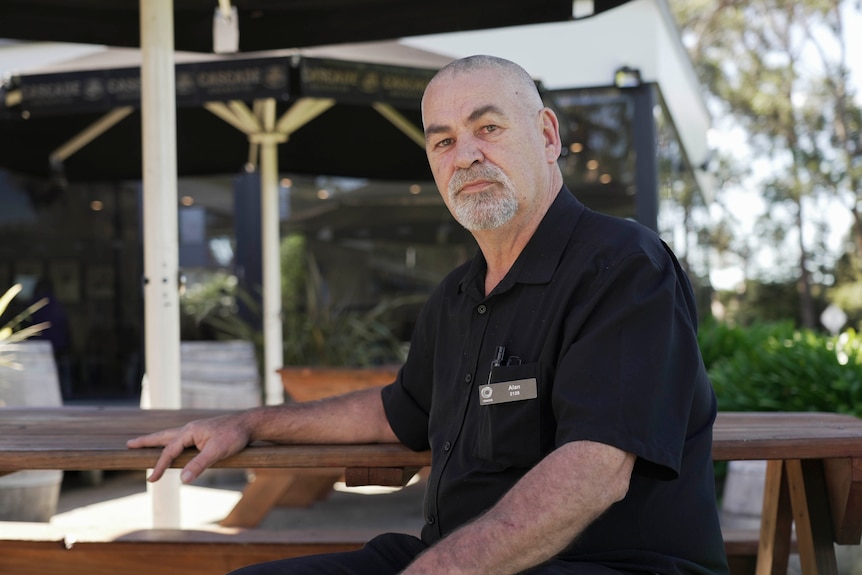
x,y
511,76
492,145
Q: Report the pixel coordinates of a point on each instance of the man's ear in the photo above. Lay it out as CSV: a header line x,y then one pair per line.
x,y
551,134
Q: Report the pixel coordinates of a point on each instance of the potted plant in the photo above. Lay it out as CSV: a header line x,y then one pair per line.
x,y
326,345
332,348
28,377
14,331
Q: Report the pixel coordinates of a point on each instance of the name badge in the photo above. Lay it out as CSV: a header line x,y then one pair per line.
x,y
506,391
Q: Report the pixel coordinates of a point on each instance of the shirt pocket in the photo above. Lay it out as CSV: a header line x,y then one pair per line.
x,y
509,434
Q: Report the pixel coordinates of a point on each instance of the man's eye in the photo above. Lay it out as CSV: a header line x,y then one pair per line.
x,y
489,128
443,143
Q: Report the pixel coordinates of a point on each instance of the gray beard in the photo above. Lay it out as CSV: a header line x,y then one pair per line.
x,y
485,210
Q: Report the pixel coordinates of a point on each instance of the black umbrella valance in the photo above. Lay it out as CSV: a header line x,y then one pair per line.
x,y
87,122
247,79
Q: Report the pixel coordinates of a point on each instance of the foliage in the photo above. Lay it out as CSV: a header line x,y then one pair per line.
x,y
776,367
761,302
779,71
320,332
848,296
847,291
210,310
14,330
315,330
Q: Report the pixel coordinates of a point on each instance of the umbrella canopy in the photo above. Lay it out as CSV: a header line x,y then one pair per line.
x,y
352,137
371,147
272,24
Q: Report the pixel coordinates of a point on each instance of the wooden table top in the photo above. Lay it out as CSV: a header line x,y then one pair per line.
x,y
784,435
74,438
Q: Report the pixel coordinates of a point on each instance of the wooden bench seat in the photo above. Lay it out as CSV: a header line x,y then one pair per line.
x,y
741,547
45,549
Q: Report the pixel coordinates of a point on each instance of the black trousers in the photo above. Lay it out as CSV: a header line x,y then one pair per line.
x,y
389,554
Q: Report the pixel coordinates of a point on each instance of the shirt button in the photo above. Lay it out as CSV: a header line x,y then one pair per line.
x,y
447,446
468,378
430,520
482,309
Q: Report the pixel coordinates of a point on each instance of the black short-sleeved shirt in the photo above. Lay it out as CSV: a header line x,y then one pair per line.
x,y
599,312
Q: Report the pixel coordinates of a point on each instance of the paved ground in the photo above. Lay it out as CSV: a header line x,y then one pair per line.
x,y
121,499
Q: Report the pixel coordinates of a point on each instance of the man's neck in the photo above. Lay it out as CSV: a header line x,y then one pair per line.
x,y
502,246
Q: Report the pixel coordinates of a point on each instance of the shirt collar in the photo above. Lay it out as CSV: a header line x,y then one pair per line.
x,y
540,257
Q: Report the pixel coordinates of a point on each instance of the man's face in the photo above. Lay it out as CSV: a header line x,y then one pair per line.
x,y
484,148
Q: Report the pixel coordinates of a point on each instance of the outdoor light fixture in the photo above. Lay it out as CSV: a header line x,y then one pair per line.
x,y
583,8
225,28
627,77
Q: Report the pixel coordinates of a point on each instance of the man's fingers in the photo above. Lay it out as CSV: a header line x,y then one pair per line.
x,y
193,468
171,451
196,466
157,439
165,438
200,434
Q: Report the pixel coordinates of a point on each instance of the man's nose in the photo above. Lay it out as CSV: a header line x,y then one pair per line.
x,y
468,153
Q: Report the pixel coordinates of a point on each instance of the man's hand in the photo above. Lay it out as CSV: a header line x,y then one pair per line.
x,y
216,438
356,417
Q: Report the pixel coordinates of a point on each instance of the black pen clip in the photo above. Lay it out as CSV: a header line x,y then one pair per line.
x,y
498,356
498,360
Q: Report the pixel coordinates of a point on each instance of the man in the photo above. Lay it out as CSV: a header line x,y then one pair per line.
x,y
556,377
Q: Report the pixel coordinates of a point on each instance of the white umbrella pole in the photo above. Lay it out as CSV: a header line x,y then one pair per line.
x,y
161,260
272,325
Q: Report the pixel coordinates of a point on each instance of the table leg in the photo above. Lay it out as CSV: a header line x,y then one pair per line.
x,y
811,515
308,488
844,486
386,476
273,487
776,522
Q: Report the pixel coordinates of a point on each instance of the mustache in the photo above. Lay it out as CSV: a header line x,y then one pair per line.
x,y
475,172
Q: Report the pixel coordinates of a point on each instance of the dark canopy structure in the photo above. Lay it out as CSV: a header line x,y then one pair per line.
x,y
273,24
43,113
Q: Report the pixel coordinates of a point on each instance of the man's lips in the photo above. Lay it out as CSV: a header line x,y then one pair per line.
x,y
475,186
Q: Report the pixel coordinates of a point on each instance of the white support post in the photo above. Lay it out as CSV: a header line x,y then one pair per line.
x,y
161,259
273,353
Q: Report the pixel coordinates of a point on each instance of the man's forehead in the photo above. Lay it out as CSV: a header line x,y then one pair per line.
x,y
465,101
464,113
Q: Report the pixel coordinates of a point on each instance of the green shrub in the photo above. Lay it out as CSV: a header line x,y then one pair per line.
x,y
774,367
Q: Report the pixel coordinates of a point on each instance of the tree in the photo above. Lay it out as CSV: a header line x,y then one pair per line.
x,y
779,69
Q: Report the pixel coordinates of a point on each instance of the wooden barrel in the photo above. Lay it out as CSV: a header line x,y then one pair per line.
x,y
219,374
742,499
30,495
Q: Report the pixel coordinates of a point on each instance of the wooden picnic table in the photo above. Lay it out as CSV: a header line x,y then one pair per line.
x,y
814,474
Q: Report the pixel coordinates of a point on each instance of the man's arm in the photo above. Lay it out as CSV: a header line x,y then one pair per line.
x,y
538,517
356,417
